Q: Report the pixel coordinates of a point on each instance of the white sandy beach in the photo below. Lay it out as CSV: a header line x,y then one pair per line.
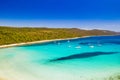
x,y
35,42
42,41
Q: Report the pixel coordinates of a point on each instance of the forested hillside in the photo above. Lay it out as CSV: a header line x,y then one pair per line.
x,y
9,35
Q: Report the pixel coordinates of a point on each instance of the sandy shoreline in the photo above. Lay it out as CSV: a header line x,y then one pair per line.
x,y
35,42
44,41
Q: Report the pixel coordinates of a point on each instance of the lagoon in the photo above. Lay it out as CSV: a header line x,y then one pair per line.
x,y
88,58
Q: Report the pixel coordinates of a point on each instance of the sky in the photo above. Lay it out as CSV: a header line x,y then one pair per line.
x,y
85,14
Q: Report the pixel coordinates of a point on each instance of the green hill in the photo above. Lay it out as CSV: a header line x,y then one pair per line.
x,y
9,35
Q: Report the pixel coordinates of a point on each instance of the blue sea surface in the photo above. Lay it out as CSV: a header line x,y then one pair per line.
x,y
95,57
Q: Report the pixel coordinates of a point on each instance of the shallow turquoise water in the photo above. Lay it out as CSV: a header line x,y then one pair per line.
x,y
78,59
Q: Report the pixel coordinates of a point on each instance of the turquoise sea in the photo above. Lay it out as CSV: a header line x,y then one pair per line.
x,y
90,58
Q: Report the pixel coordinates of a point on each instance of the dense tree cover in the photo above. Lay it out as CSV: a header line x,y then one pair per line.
x,y
9,35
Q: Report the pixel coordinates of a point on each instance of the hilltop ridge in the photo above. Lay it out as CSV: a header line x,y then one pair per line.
x,y
11,35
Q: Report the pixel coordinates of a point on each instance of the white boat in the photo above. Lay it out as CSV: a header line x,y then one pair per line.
x,y
77,47
91,46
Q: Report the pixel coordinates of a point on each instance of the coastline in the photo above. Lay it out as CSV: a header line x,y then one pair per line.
x,y
44,41
35,42
115,76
